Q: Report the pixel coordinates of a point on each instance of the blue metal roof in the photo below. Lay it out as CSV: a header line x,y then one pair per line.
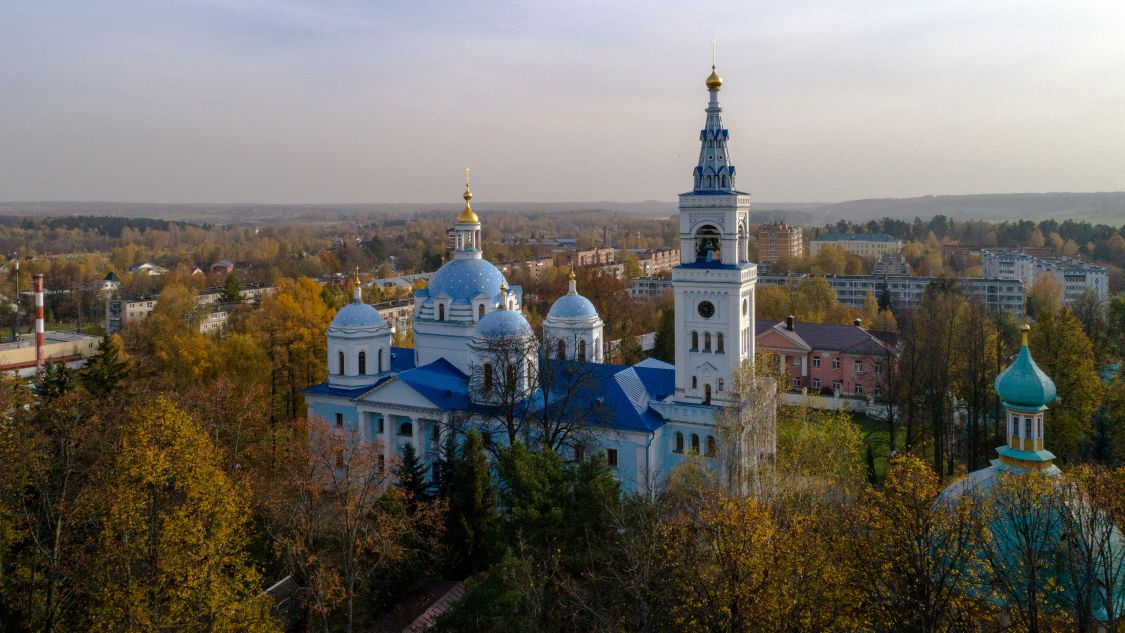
x,y
441,383
402,359
462,279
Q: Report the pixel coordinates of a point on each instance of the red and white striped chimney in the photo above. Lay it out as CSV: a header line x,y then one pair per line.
x,y
38,321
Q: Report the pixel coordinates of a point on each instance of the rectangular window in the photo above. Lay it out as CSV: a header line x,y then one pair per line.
x,y
339,420
835,363
797,381
816,383
611,457
836,384
878,390
878,368
796,361
816,362
859,367
859,390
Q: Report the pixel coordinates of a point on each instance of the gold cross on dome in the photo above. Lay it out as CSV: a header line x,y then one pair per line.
x,y
466,176
713,45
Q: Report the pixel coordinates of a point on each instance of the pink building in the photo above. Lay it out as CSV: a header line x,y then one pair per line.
x,y
829,358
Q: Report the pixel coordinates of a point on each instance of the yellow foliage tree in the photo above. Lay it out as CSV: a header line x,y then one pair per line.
x,y
172,533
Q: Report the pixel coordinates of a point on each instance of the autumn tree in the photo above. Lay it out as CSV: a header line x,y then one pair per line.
x,y
171,533
922,561
1065,354
1045,298
335,520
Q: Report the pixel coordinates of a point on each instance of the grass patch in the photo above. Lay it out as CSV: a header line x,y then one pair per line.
x,y
876,435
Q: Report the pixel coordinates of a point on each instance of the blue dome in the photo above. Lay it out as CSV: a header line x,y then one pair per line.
x,y
572,307
462,279
1023,384
503,324
357,315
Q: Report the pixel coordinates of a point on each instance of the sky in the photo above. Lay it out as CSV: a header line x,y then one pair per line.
x,y
338,101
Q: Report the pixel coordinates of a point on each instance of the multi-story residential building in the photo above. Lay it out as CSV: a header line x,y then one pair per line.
x,y
845,360
119,312
646,287
892,264
251,293
399,314
657,261
999,294
1006,264
534,267
778,240
593,257
865,245
1075,276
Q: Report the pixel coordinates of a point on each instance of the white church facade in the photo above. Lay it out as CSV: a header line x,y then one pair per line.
x,y
645,418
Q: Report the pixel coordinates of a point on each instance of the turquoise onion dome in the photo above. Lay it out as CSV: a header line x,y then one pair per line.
x,y
1023,385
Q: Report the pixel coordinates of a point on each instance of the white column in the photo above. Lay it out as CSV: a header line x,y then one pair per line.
x,y
415,435
388,441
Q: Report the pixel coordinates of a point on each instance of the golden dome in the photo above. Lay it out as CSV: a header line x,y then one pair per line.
x,y
714,82
468,215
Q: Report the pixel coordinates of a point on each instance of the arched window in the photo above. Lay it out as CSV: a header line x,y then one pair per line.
x,y
480,311
441,312
719,342
724,180
720,384
380,359
582,350
341,364
706,341
510,376
694,382
707,394
708,182
561,351
694,443
694,340
711,449
487,376
597,348
708,244
679,442
362,363
406,429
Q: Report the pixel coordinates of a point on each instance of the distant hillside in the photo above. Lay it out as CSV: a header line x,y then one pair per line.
x,y
1107,207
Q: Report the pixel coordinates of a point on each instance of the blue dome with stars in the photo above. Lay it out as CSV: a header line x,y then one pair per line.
x,y
503,324
462,279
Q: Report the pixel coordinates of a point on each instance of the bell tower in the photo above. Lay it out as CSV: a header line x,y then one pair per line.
x,y
714,283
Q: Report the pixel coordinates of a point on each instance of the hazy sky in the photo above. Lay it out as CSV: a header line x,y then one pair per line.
x,y
369,101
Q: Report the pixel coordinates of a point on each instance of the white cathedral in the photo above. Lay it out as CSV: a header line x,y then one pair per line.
x,y
645,418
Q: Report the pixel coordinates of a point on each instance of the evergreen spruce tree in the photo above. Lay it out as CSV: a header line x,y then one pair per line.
x,y
664,347
232,290
470,526
443,467
105,370
411,476
53,381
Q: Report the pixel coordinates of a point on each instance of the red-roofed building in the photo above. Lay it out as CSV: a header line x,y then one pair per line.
x,y
829,358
